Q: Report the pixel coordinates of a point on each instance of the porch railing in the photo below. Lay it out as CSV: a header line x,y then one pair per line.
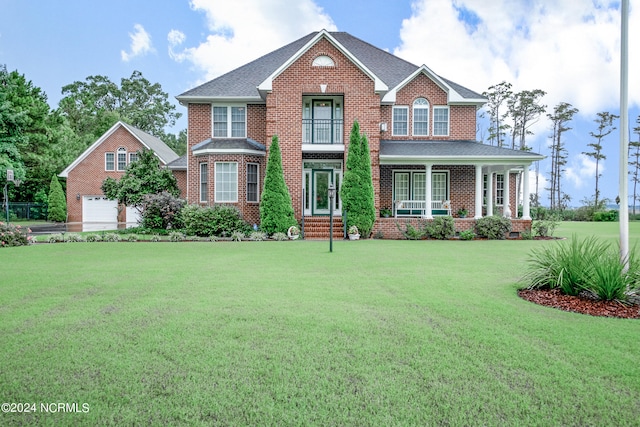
x,y
417,208
322,131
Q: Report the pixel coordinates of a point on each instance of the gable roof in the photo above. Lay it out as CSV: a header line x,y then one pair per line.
x,y
251,81
161,150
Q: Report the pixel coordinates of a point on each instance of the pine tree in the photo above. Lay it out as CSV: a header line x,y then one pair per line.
x,y
562,114
276,207
57,202
605,127
635,164
357,187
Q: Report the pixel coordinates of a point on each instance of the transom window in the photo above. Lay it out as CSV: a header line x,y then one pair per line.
x,y
323,61
401,121
226,182
229,121
441,121
421,117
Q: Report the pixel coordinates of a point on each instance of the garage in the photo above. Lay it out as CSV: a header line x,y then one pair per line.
x,y
99,209
133,216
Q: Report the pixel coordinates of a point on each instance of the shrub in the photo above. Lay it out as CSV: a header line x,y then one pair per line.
x,y
467,235
279,236
611,215
219,220
258,236
155,238
161,210
55,238
412,233
237,236
131,238
57,203
441,228
544,228
493,227
276,207
14,235
526,235
176,236
94,238
111,237
74,237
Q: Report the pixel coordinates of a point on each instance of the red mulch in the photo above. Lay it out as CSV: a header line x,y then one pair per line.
x,y
578,304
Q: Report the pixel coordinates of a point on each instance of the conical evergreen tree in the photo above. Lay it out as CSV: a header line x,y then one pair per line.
x,y
57,202
357,186
276,208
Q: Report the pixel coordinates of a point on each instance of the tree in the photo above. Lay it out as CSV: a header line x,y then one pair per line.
x,y
142,177
178,143
605,127
93,106
357,186
562,114
276,207
524,108
57,202
496,96
635,164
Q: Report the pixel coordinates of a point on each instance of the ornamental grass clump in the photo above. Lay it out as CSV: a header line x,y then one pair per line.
x,y
582,265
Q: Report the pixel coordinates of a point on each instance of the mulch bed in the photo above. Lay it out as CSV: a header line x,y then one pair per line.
x,y
580,304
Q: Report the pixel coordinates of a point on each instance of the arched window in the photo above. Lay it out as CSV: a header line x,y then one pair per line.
x,y
421,117
323,61
122,158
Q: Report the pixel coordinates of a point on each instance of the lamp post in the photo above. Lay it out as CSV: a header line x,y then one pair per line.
x,y
332,195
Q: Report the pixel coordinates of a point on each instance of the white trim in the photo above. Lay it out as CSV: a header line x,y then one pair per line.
x,y
229,120
119,151
215,183
441,107
105,161
415,107
267,85
453,97
205,151
323,148
459,160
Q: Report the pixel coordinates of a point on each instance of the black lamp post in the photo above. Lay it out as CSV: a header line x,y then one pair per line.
x,y
332,195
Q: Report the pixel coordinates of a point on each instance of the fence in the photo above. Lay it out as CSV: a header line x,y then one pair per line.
x,y
24,210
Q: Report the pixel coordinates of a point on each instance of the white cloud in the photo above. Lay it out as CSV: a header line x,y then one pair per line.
x,y
140,44
569,49
243,30
582,171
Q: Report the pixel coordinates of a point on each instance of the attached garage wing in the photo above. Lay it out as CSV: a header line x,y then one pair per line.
x,y
99,209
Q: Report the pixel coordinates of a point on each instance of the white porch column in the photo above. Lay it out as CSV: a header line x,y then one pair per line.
x,y
427,191
506,206
490,193
526,214
478,207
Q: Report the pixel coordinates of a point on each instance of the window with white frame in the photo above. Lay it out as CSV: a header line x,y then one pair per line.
x,y
441,121
226,182
439,186
204,182
253,194
109,161
413,186
401,121
122,158
499,189
421,117
133,157
485,186
419,186
401,186
229,121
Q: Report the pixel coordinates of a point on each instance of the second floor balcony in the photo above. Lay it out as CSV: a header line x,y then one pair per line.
x,y
322,131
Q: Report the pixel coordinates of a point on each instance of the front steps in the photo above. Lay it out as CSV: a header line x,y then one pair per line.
x,y
317,227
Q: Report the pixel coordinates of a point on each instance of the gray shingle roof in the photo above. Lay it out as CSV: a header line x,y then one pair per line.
x,y
444,150
179,164
243,82
162,150
229,144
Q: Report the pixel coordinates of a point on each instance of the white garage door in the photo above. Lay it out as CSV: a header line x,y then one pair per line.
x,y
133,216
99,209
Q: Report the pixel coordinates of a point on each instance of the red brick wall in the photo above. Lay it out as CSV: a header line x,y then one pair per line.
x,y
462,118
284,110
87,177
199,125
388,227
181,177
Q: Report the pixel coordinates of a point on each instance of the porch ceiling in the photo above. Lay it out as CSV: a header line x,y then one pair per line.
x,y
452,152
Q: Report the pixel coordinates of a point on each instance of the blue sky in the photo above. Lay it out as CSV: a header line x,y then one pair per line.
x,y
569,49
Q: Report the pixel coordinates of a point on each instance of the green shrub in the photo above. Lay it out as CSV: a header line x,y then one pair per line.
x,y
155,238
609,280
74,238
219,220
413,233
610,215
467,235
279,236
493,227
176,236
14,235
237,236
111,237
441,228
55,238
161,211
544,228
526,235
131,238
94,238
57,203
258,236
276,207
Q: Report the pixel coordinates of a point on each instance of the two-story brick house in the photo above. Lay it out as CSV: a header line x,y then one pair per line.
x,y
421,130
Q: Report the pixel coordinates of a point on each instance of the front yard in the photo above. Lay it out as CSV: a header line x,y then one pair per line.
x,y
378,332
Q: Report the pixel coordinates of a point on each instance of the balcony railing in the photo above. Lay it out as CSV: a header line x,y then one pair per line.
x,y
322,131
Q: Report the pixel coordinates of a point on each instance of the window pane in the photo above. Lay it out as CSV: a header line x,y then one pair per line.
x,y
402,186
419,186
226,182
441,121
133,157
439,186
400,121
421,121
499,189
252,182
204,179
110,161
237,122
122,160
220,122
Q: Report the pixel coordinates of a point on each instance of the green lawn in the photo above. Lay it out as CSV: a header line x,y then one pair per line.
x,y
285,333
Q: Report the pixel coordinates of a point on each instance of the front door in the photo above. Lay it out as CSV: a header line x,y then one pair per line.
x,y
321,179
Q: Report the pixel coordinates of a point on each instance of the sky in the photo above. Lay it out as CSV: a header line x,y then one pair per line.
x,y
569,49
